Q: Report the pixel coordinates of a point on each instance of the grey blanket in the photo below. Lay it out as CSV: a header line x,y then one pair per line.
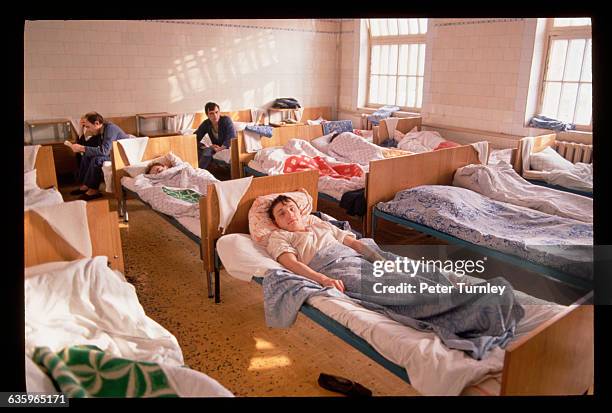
x,y
471,322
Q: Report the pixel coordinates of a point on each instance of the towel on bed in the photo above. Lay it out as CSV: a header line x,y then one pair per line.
x,y
391,126
483,151
229,194
29,157
134,148
69,221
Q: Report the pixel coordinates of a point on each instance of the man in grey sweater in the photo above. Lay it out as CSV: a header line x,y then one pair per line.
x,y
93,157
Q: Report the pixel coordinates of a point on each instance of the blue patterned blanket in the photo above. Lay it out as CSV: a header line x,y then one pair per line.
x,y
557,242
471,322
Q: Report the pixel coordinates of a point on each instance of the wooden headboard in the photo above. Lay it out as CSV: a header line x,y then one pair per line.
x,y
316,113
237,116
209,206
540,143
389,176
404,125
280,136
183,146
126,123
45,168
42,244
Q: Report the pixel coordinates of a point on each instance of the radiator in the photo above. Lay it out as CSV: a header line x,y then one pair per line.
x,y
575,152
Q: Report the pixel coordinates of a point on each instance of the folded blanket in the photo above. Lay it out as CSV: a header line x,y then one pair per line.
x,y
262,130
382,113
545,122
471,322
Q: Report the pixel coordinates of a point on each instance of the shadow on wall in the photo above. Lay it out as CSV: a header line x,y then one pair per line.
x,y
207,72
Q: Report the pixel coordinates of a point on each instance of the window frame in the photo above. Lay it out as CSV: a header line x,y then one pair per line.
x,y
563,33
392,40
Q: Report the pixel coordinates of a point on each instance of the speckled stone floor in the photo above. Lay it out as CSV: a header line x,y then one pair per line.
x,y
230,341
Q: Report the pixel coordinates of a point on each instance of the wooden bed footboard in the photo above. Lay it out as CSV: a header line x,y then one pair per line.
x,y
46,176
556,358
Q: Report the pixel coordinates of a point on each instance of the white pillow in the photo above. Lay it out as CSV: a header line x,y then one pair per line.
x,y
29,180
243,258
322,142
549,160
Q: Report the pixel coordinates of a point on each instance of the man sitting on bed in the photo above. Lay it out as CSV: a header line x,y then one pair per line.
x,y
220,130
90,168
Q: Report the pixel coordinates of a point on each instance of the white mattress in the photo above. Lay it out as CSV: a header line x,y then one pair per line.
x,y
192,224
432,368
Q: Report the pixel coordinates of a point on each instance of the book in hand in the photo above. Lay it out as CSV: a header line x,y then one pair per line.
x,y
68,144
206,141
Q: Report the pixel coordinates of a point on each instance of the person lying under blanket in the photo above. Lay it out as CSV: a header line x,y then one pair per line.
x,y
469,319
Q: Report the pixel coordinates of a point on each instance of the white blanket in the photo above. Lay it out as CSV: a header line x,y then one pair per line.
x,y
420,141
350,148
182,176
84,302
579,178
501,183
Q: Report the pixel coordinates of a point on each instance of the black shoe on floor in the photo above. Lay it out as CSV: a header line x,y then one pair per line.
x,y
78,192
344,386
86,197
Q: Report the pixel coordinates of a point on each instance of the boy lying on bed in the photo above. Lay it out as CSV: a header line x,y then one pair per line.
x,y
314,249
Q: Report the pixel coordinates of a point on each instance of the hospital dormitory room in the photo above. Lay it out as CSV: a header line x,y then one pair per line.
x,y
223,215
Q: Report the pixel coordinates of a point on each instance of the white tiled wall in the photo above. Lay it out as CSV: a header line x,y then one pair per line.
x,y
127,67
477,74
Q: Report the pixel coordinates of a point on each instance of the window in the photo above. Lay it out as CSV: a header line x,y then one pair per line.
x,y
397,62
567,84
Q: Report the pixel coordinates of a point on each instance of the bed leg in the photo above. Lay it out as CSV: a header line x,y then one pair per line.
x,y
217,286
209,285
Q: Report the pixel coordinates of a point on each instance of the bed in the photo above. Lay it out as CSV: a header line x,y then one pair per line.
x,y
183,146
404,125
43,190
400,201
539,361
330,189
74,301
577,179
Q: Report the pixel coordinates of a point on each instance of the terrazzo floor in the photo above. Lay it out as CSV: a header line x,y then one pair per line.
x,y
230,341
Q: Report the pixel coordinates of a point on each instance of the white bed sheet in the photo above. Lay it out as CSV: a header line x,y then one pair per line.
x,y
84,302
432,368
